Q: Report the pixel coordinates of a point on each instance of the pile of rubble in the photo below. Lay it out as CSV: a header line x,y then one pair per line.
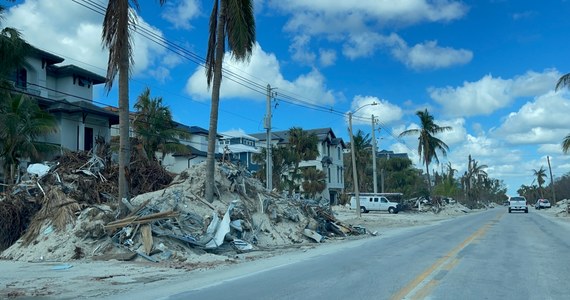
x,y
74,215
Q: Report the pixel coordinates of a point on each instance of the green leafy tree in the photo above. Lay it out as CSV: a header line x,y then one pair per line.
x,y
22,124
234,21
154,126
428,144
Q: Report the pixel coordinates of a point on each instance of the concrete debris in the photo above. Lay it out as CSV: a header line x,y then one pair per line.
x,y
172,223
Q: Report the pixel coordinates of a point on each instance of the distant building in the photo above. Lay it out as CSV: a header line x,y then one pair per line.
x,y
386,154
239,148
329,160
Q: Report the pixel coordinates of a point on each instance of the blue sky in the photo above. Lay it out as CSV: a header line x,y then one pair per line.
x,y
487,68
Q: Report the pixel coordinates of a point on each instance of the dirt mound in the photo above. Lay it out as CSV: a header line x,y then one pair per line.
x,y
78,218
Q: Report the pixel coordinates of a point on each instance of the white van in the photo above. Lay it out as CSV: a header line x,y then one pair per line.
x,y
370,202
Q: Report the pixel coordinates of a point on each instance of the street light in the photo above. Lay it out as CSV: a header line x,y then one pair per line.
x,y
354,175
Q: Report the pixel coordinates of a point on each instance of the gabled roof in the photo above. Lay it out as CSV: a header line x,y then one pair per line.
x,y
79,107
47,57
282,137
71,70
193,129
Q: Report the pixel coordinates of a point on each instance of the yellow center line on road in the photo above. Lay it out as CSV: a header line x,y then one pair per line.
x,y
423,284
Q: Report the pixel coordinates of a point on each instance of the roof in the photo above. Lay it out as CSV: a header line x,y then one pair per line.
x,y
391,154
237,134
70,70
193,129
49,58
239,148
322,134
80,106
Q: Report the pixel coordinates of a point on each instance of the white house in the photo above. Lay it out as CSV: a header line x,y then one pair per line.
x,y
66,91
329,160
197,146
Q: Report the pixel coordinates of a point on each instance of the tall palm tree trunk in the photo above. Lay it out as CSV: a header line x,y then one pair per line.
x,y
124,141
213,129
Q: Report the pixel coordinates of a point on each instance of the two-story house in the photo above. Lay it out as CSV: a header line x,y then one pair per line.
x,y
66,91
329,160
197,149
239,148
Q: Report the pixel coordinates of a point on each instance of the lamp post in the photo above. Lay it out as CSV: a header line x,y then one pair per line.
x,y
353,156
374,157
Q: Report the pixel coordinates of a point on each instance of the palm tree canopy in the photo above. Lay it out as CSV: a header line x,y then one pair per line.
x,y
540,175
566,144
238,20
428,144
564,81
13,49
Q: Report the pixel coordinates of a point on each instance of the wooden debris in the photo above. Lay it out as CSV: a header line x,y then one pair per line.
x,y
146,234
141,219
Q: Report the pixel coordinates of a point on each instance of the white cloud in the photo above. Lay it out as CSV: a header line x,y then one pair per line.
x,y
313,17
72,31
384,111
327,57
180,12
262,67
300,51
489,94
427,55
541,121
430,56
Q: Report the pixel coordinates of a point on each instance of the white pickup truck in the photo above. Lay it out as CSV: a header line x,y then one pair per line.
x,y
518,203
371,201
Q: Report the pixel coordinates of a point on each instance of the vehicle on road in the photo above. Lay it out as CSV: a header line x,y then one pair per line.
x,y
375,202
542,203
518,203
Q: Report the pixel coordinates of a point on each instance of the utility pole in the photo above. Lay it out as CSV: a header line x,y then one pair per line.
x,y
268,158
354,175
551,182
382,179
374,157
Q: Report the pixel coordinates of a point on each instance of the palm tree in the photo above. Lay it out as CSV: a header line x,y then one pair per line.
x,y
315,181
428,144
22,122
362,146
232,20
302,147
154,126
13,50
566,144
117,38
540,175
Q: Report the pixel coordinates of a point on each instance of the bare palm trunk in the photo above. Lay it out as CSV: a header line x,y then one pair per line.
x,y
124,142
213,130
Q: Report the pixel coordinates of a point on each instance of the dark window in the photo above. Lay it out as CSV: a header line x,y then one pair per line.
x,y
88,139
22,78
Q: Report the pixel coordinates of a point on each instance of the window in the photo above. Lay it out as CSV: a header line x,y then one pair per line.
x,y
375,199
338,152
22,78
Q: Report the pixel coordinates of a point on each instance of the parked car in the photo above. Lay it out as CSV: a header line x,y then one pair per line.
x,y
370,202
542,203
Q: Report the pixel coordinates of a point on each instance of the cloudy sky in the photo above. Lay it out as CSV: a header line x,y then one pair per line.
x,y
487,68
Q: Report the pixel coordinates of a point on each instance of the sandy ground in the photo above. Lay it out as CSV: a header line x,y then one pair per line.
x,y
115,279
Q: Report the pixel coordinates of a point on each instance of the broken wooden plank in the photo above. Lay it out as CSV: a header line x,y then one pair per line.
x,y
146,234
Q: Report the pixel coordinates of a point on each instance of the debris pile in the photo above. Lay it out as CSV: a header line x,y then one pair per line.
x,y
76,215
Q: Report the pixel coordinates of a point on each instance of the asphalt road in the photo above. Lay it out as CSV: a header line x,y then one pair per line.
x,y
487,255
